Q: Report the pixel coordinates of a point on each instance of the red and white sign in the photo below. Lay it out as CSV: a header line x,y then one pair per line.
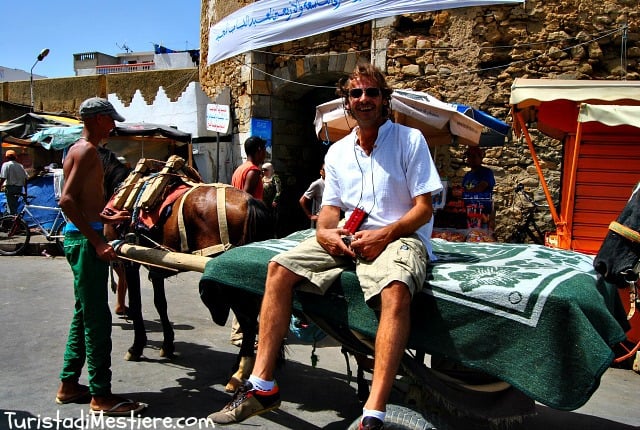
x,y
218,118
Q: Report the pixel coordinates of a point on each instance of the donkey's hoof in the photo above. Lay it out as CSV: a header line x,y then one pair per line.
x,y
167,352
130,356
233,384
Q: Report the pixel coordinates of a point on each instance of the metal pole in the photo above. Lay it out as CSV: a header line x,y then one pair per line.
x,y
32,102
217,157
41,56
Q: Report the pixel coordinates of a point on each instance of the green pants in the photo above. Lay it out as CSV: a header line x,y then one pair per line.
x,y
90,332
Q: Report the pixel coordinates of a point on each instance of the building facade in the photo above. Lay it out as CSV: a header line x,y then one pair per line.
x,y
467,55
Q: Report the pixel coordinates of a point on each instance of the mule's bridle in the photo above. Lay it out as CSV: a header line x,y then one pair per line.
x,y
624,231
633,236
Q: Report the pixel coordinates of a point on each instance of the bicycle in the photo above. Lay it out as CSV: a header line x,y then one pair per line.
x,y
15,232
528,228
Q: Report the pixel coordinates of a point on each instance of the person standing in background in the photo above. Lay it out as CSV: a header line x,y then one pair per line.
x,y
14,178
248,175
272,190
480,178
477,190
311,200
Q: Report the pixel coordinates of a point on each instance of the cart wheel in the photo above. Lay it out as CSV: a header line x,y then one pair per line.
x,y
400,418
14,235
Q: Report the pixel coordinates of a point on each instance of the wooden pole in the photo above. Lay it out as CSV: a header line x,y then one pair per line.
x,y
158,257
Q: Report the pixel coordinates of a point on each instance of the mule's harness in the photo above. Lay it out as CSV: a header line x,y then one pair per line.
x,y
223,229
633,236
624,231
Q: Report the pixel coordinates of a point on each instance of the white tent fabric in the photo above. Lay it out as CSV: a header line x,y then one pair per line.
x,y
270,22
531,92
439,122
611,115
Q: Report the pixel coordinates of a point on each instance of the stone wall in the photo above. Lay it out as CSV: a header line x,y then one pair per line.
x,y
469,55
64,95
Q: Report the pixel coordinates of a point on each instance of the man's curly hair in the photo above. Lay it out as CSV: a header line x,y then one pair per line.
x,y
370,71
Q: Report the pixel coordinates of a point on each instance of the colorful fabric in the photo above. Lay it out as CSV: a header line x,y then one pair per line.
x,y
529,315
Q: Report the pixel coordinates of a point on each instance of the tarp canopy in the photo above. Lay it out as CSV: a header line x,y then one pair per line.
x,y
554,104
149,129
598,123
61,137
610,115
28,124
42,189
484,118
129,140
441,123
57,137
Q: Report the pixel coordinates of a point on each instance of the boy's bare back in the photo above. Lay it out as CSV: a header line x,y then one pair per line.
x,y
83,180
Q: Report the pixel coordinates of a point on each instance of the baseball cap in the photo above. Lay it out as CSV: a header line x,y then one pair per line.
x,y
99,106
10,152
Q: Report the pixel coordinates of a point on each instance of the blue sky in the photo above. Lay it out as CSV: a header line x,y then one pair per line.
x,y
71,26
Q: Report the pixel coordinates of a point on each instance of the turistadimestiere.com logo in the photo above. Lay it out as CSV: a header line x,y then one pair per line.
x,y
99,421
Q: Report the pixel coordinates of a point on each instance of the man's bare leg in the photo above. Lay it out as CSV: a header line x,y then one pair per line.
x,y
275,314
391,340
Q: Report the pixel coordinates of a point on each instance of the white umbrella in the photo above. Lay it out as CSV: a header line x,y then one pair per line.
x,y
439,122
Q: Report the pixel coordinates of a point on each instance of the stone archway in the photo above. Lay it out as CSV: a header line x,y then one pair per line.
x,y
295,89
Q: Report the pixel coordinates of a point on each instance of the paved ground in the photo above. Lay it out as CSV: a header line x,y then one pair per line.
x,y
36,297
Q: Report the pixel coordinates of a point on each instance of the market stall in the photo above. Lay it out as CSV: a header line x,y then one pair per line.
x,y
598,123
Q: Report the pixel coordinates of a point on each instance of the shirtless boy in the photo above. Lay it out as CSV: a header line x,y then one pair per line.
x,y
89,254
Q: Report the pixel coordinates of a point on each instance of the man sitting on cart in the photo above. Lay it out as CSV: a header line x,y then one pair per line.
x,y
382,176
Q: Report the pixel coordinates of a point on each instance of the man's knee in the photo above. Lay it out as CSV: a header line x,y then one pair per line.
x,y
396,295
281,278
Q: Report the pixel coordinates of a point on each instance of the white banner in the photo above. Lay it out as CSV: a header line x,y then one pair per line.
x,y
270,22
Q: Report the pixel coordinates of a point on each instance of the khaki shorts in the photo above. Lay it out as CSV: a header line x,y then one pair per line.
x,y
403,260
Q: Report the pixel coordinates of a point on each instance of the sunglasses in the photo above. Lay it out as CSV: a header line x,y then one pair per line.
x,y
356,93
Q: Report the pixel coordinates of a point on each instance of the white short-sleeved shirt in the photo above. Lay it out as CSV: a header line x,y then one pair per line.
x,y
13,173
385,182
314,193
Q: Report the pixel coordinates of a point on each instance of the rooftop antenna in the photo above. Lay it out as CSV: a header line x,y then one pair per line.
x,y
124,47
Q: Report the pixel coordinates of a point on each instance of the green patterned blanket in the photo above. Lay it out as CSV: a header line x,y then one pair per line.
x,y
533,316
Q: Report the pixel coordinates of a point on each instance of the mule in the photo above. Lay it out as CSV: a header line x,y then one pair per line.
x,y
247,220
618,262
618,256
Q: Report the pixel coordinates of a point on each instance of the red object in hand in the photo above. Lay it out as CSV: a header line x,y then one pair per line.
x,y
355,220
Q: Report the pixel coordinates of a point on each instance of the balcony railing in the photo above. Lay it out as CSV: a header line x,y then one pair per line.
x,y
124,68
